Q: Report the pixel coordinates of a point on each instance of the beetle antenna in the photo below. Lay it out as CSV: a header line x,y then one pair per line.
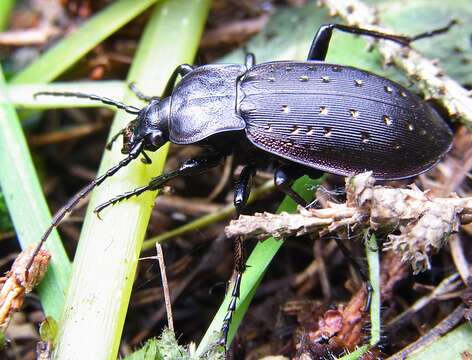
x,y
128,108
72,203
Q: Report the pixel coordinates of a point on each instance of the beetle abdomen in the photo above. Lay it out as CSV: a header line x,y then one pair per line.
x,y
341,120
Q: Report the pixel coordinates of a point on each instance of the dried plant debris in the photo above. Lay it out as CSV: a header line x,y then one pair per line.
x,y
419,225
467,299
334,331
19,281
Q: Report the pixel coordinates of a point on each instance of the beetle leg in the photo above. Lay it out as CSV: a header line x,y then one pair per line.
x,y
320,44
243,188
134,89
348,255
192,166
284,176
250,60
241,194
181,70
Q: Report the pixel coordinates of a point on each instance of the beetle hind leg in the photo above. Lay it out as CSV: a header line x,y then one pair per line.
x,y
319,46
241,194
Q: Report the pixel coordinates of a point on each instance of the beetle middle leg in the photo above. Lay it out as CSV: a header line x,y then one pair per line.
x,y
192,166
241,194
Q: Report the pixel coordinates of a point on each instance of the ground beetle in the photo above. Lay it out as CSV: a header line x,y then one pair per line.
x,y
312,116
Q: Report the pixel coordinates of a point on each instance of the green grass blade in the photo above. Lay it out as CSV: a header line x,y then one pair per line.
x,y
258,263
5,9
449,346
27,205
108,252
372,251
60,57
22,96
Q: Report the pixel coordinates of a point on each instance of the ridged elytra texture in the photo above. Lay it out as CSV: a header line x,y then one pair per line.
x,y
340,119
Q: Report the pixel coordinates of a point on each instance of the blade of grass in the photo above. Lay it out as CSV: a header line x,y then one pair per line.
x,y
372,252
24,197
451,345
27,205
22,96
73,47
5,8
257,264
108,252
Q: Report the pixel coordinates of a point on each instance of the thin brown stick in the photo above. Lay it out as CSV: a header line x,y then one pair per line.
x,y
165,286
448,285
442,328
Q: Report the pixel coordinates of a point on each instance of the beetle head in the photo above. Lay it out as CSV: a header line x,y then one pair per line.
x,y
150,128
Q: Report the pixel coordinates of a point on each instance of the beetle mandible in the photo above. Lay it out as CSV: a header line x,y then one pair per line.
x,y
312,116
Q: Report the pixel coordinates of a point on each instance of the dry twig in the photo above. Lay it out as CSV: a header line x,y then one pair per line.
x,y
422,223
19,281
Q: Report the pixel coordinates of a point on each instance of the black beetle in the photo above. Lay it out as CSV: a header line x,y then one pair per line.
x,y
312,116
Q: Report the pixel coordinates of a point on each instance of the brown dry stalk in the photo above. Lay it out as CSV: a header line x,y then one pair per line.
x,y
19,281
429,77
422,223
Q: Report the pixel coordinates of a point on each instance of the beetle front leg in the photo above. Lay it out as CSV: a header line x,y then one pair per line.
x,y
138,93
192,166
